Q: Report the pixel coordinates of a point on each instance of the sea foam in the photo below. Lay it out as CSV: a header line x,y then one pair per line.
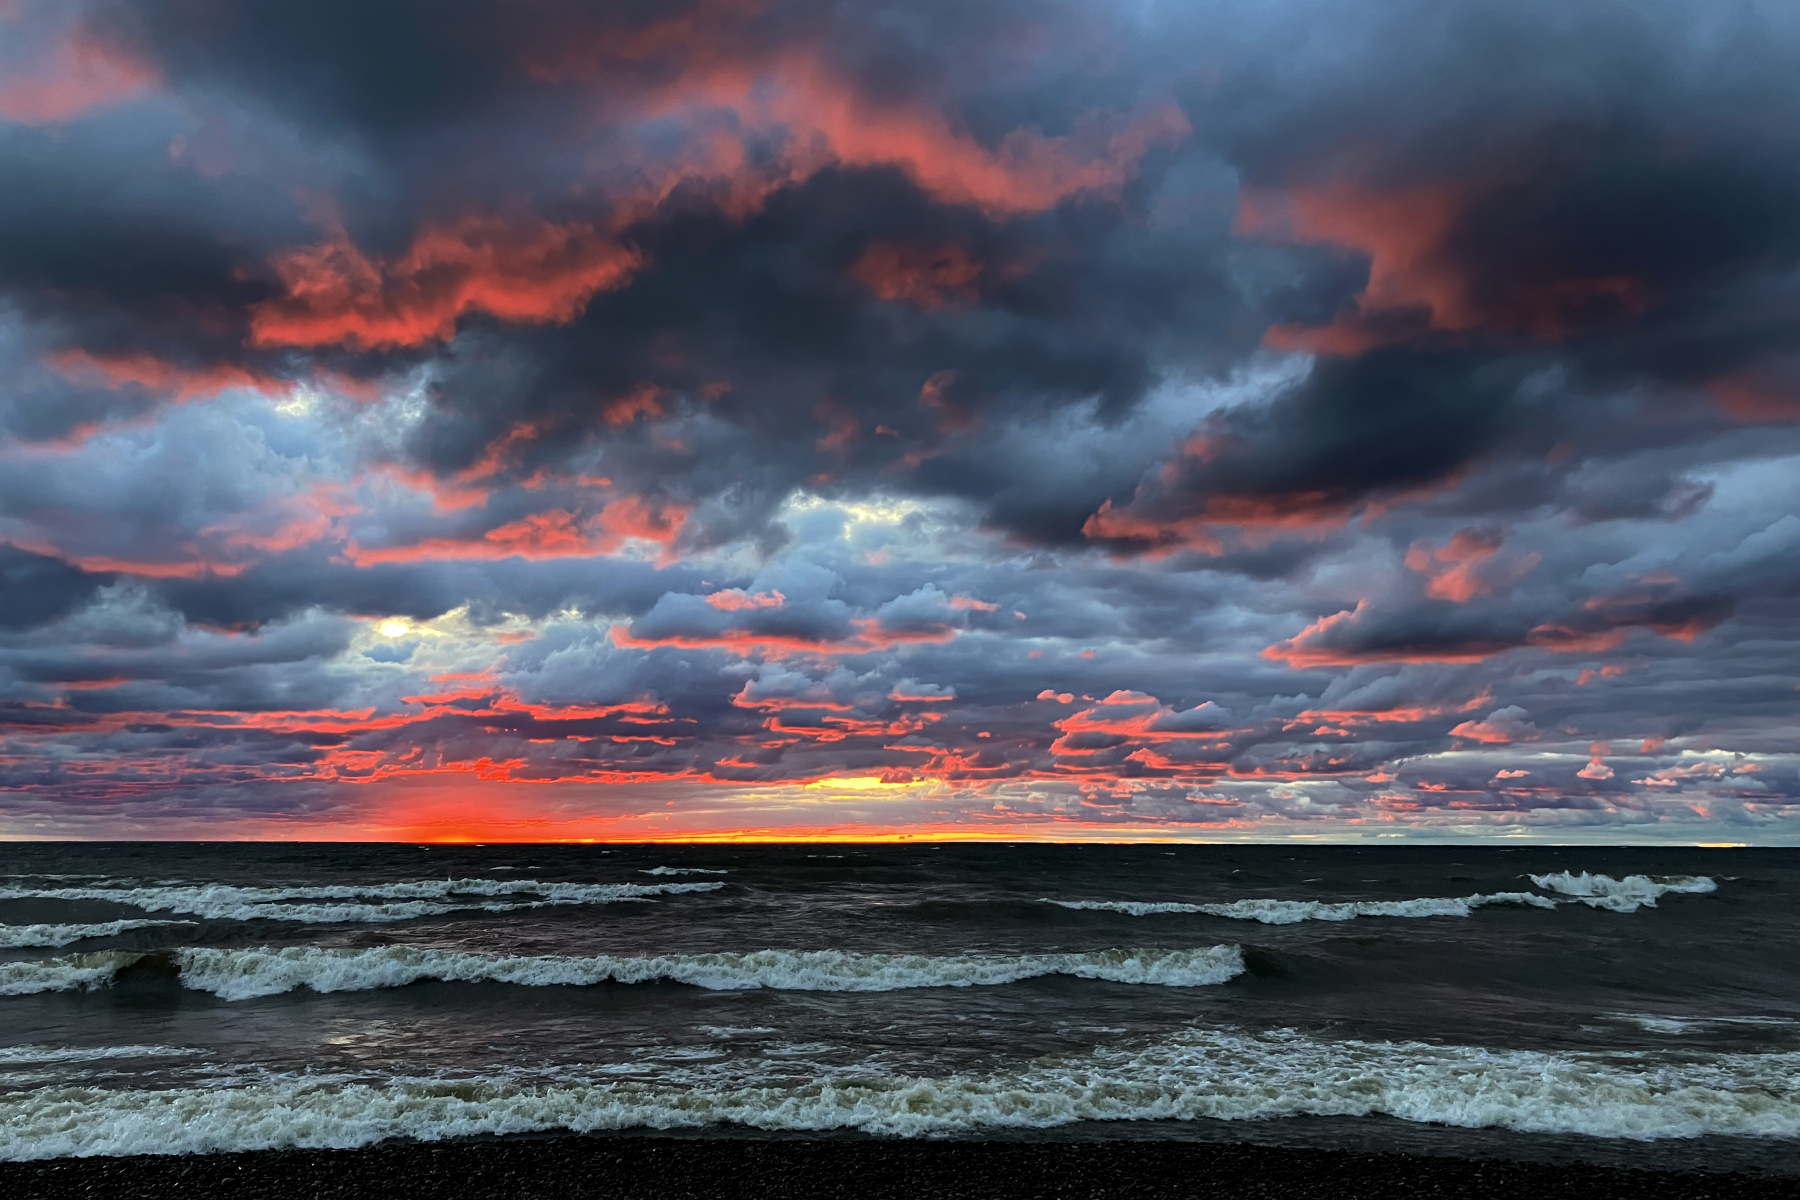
x,y
1622,895
1289,912
247,974
71,973
16,936
1193,1074
16,1055
1598,891
382,902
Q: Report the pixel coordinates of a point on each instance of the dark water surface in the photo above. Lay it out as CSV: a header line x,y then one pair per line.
x,y
1614,1004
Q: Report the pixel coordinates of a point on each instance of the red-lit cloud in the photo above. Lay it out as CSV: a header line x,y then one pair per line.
x,y
523,270
924,276
60,68
1422,283
556,533
1465,566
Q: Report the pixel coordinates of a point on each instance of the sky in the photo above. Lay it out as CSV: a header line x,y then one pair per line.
x,y
445,419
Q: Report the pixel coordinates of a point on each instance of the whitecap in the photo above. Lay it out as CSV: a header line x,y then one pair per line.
x,y
16,936
360,903
1290,912
1191,1075
246,974
72,973
1622,895
1659,1023
23,1055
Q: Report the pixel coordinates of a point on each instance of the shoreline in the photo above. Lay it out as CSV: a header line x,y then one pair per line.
x,y
621,1166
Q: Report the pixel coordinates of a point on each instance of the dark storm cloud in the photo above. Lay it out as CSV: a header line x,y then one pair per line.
x,y
35,588
1598,229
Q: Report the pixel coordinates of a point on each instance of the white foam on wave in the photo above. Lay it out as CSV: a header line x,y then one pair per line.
x,y
247,974
244,974
71,973
52,875
364,903
1622,895
686,871
1195,1074
1657,1023
22,1055
1290,912
16,936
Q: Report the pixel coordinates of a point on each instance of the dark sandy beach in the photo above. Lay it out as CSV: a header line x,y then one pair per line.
x,y
669,1168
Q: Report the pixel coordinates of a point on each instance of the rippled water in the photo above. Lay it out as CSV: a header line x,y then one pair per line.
x,y
200,998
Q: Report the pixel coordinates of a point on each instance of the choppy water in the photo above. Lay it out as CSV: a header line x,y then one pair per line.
x,y
1582,1001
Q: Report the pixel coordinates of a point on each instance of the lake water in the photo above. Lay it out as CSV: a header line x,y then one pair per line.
x,y
1637,1005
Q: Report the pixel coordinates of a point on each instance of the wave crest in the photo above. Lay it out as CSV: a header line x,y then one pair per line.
x,y
1196,1074
248,974
243,974
371,903
1290,912
71,973
1622,895
14,937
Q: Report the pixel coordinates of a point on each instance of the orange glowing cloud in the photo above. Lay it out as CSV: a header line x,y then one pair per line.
x,y
1330,642
524,270
642,401
529,270
1028,172
1254,520
142,568
1401,231
1350,637
1608,620
1463,568
502,453
1417,285
1564,639
1400,714
1139,720
1596,769
867,635
556,533
935,397
1769,394
114,371
1153,536
737,599
924,276
712,62
80,72
911,692
1501,728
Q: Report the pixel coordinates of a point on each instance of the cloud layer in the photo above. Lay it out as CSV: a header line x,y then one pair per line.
x,y
750,416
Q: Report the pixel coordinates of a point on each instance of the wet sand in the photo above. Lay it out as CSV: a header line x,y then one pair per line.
x,y
674,1168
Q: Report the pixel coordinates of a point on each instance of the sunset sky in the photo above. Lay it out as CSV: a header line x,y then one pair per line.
x,y
446,419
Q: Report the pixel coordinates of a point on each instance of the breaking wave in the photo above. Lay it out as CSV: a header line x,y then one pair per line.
x,y
385,902
17,936
1658,1023
72,973
686,871
1195,1074
1290,912
1622,895
34,1055
247,974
